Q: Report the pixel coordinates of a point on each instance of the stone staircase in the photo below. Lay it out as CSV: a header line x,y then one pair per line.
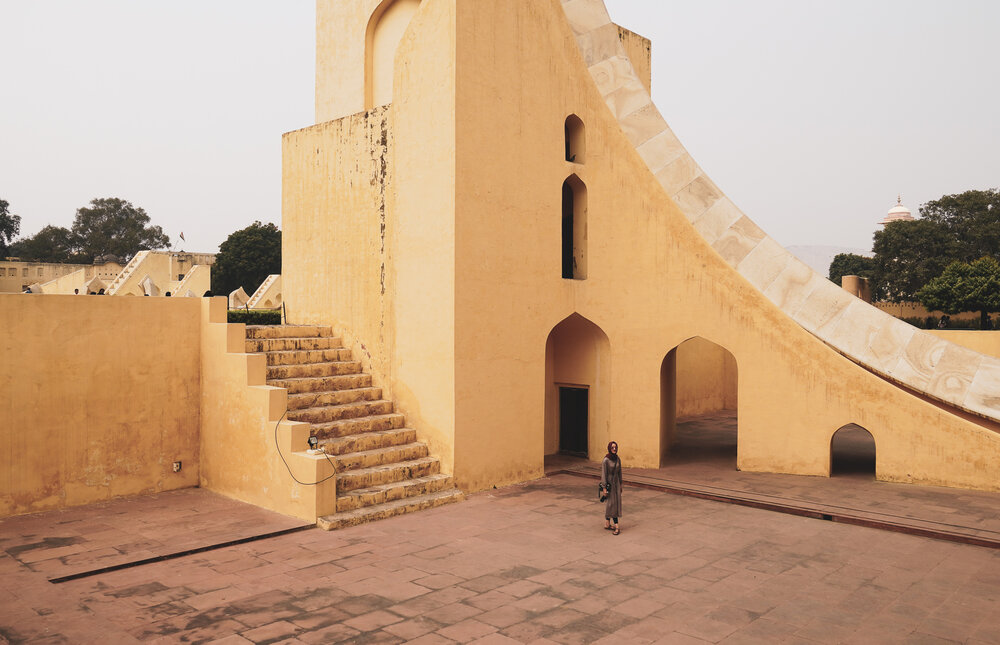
x,y
382,470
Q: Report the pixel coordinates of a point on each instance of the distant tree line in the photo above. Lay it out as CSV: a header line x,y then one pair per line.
x,y
106,227
947,260
114,227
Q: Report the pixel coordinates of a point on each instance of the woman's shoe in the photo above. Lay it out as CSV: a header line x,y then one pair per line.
x,y
617,531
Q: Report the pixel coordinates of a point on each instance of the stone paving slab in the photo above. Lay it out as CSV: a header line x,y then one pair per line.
x,y
124,530
524,564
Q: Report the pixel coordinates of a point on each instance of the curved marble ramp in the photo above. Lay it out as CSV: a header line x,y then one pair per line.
x,y
890,347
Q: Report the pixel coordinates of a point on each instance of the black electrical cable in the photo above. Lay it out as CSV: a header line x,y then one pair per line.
x,y
287,467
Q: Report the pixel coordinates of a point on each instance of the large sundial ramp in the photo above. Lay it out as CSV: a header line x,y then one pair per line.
x,y
886,345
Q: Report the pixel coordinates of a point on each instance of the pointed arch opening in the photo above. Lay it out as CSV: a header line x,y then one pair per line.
x,y
385,29
577,388
576,140
852,452
699,383
574,229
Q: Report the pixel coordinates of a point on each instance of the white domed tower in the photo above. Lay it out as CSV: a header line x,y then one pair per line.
x,y
897,213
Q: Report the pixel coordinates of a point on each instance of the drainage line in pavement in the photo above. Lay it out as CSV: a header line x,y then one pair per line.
x,y
804,512
179,554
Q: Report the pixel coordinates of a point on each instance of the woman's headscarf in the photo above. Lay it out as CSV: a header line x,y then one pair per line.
x,y
612,456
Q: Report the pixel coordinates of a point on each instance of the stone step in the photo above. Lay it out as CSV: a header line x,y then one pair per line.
x,y
333,368
389,509
288,331
335,397
256,346
386,473
383,493
323,383
368,441
304,356
329,413
380,457
347,427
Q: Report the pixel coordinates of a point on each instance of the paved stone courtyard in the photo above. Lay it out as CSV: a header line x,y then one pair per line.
x,y
525,564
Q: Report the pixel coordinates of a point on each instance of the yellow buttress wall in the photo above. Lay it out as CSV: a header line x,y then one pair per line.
x,y
98,397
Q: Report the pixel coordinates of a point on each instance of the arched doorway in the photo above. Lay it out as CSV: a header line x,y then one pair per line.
x,y
385,29
577,374
852,452
698,404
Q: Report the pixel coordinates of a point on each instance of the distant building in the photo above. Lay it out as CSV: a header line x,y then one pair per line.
x,y
16,275
898,213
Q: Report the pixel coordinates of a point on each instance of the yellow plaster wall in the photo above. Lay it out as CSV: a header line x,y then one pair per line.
x,y
340,56
98,397
984,342
335,212
421,228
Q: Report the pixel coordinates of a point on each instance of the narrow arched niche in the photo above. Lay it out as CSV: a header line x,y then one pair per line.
x,y
576,140
852,452
574,229
577,374
385,29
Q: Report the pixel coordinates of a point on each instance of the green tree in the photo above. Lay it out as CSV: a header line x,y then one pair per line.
x,y
965,286
116,227
10,225
909,254
972,218
51,244
246,258
854,264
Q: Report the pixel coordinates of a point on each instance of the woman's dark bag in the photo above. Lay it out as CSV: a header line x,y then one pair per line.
x,y
602,492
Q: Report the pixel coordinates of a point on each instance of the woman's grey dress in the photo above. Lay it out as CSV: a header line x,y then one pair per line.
x,y
611,476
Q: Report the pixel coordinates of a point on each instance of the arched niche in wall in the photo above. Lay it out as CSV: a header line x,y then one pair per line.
x,y
852,452
385,29
574,229
699,384
576,141
577,388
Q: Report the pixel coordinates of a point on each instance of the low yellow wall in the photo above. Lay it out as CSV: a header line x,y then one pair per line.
x,y
917,310
98,397
984,342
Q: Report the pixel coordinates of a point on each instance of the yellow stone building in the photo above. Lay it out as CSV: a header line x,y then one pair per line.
x,y
504,226
499,225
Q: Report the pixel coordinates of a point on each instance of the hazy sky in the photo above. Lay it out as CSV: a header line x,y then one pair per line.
x,y
810,115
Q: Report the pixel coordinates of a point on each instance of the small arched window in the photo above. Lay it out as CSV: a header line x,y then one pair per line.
x,y
574,229
576,144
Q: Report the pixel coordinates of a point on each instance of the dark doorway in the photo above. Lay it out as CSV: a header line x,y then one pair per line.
x,y
567,231
573,411
852,452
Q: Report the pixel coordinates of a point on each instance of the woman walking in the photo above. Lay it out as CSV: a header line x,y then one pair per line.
x,y
611,480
